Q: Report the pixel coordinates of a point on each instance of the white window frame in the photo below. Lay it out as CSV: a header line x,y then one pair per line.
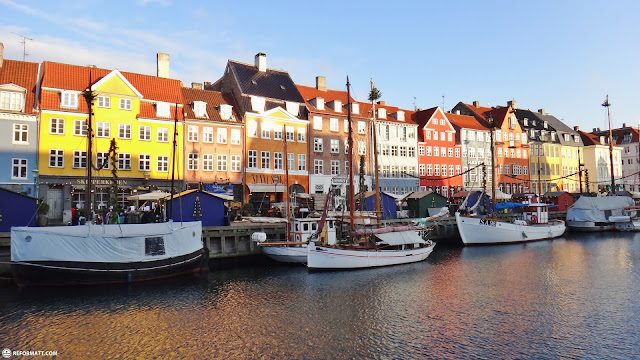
x,y
207,134
124,161
192,133
69,99
162,134
144,133
235,163
207,162
235,137
125,104
124,131
221,162
20,134
162,163
104,102
103,129
144,162
56,126
221,135
19,169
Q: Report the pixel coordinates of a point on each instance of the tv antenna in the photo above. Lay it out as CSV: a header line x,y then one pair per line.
x,y
24,45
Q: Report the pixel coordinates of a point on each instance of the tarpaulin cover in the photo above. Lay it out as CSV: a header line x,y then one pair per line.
x,y
593,208
401,238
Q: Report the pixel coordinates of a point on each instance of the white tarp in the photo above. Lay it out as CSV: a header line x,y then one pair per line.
x,y
103,243
593,208
401,238
149,196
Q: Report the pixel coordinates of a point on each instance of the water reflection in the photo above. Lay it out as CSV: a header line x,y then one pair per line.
x,y
570,297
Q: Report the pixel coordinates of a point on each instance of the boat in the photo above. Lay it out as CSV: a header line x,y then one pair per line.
x,y
92,254
371,247
600,213
487,229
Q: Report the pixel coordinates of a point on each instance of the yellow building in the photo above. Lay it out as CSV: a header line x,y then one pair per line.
x,y
138,111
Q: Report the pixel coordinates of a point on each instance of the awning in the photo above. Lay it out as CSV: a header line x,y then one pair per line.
x,y
149,196
401,238
268,188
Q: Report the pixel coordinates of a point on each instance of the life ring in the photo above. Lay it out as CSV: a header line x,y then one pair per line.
x,y
534,219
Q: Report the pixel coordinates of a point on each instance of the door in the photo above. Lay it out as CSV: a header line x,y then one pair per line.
x,y
54,199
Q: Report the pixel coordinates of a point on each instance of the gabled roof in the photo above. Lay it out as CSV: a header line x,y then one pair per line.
x,y
421,117
465,122
25,75
213,99
273,84
553,124
366,111
308,93
483,114
589,139
619,133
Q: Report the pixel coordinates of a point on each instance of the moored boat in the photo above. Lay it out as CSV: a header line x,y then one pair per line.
x,y
599,213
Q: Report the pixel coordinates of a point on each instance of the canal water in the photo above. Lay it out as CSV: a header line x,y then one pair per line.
x,y
573,297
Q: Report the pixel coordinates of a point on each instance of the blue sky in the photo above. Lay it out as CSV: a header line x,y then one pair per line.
x,y
563,56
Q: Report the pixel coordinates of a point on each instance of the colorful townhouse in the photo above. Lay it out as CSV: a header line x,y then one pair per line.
x,y
597,162
440,164
18,125
627,138
213,144
273,115
138,111
328,140
555,150
475,145
397,143
511,145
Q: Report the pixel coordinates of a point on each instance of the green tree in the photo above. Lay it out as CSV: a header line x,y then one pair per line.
x,y
374,94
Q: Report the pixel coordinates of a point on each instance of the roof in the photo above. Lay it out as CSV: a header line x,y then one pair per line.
x,y
421,194
619,135
589,139
308,93
483,114
553,123
213,99
422,117
25,75
555,193
465,122
366,110
274,84
187,192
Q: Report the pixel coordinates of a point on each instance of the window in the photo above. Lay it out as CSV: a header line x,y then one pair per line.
x,y
457,169
427,135
318,167
480,153
335,167
333,125
222,135
317,144
436,170
450,136
79,159
450,152
104,102
124,161
103,129
277,132
362,127
346,125
79,127
302,162
335,146
192,133
252,128
412,151
163,163
235,163
403,134
394,150
265,159
19,168
11,100
385,150
385,132
207,162
277,161
69,99
163,134
362,147
421,150
435,135
421,169
162,109
428,150
125,104
450,170
291,161
317,123
525,170
102,160
289,133
444,170
144,162
20,133
302,135
145,133
222,162
124,131
235,136
457,151
57,126
436,151
265,130
253,159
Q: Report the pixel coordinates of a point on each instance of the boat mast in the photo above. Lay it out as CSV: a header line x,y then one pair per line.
x,y
607,104
173,158
352,202
286,185
89,96
375,159
492,128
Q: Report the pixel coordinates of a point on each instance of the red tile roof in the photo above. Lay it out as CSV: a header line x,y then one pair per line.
x,y
366,110
23,74
619,133
498,114
465,121
590,139
308,93
213,99
422,117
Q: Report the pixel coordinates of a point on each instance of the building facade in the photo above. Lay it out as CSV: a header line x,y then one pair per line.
x,y
597,162
627,138
475,143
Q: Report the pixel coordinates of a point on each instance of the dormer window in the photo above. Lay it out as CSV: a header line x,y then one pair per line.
x,y
576,138
162,109
200,109
533,123
293,108
567,137
544,124
318,103
337,106
382,113
257,103
553,136
627,138
12,100
399,115
69,99
532,134
602,141
225,111
525,122
355,108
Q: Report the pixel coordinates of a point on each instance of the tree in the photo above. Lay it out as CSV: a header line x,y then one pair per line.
x,y
374,94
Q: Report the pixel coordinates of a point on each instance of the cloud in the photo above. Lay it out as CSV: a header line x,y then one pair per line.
x,y
164,3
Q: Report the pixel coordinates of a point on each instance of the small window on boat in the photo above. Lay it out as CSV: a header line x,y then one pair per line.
x,y
330,224
314,226
305,227
154,246
297,226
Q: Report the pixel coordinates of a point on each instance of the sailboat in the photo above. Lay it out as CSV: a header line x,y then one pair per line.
x,y
366,248
534,223
94,254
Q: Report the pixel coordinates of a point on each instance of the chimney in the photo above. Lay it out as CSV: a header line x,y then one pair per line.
x,y
624,125
1,53
321,83
261,62
541,111
476,103
576,128
512,103
196,85
595,129
380,102
163,65
207,85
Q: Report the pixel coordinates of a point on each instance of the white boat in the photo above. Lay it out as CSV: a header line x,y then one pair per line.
x,y
102,254
367,248
534,225
599,213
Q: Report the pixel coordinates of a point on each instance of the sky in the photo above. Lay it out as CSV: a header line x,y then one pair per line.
x,y
562,56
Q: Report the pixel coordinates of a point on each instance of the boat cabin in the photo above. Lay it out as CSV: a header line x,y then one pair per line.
x,y
536,213
303,228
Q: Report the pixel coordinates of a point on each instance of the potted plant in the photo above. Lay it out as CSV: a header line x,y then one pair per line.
x,y
43,210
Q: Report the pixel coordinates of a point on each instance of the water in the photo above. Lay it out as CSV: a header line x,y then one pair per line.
x,y
574,297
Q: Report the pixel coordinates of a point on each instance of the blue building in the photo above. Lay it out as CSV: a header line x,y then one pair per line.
x,y
16,210
18,125
211,206
387,203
